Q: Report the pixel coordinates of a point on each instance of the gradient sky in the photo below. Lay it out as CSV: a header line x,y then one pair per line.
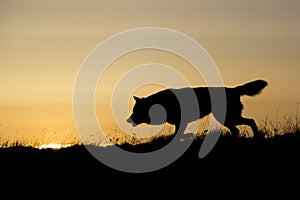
x,y
43,44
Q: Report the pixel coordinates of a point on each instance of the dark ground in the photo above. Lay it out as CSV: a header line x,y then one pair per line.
x,y
251,166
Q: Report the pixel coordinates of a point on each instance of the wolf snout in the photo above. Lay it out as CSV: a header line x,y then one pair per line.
x,y
130,121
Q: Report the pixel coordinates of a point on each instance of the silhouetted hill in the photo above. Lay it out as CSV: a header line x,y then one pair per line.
x,y
241,160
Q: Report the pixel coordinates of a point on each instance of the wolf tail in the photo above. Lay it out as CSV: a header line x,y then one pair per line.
x,y
251,88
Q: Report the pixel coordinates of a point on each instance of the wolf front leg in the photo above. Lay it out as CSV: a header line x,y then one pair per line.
x,y
180,127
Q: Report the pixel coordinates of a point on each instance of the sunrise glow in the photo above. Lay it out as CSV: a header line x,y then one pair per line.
x,y
53,146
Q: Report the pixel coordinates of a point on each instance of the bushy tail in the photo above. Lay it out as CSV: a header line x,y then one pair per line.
x,y
252,88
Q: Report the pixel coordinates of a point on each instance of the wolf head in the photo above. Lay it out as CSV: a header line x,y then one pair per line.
x,y
146,111
140,112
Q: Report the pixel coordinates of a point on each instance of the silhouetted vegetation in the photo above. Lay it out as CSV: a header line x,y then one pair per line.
x,y
269,161
235,163
280,149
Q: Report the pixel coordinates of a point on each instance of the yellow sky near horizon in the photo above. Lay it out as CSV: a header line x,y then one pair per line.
x,y
43,44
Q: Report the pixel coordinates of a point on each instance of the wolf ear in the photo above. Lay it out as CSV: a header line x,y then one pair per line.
x,y
136,98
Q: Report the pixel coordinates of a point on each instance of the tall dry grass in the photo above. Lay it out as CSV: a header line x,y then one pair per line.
x,y
288,124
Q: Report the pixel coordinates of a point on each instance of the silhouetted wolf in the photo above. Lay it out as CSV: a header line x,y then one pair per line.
x,y
168,98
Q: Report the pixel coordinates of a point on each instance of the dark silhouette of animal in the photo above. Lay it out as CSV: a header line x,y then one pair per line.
x,y
174,101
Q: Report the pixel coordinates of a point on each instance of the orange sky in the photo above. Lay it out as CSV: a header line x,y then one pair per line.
x,y
44,43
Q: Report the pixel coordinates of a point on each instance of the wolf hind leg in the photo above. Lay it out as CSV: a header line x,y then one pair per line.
x,y
233,129
251,123
231,124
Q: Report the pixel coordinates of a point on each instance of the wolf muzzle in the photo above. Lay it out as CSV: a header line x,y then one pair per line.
x,y
130,121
